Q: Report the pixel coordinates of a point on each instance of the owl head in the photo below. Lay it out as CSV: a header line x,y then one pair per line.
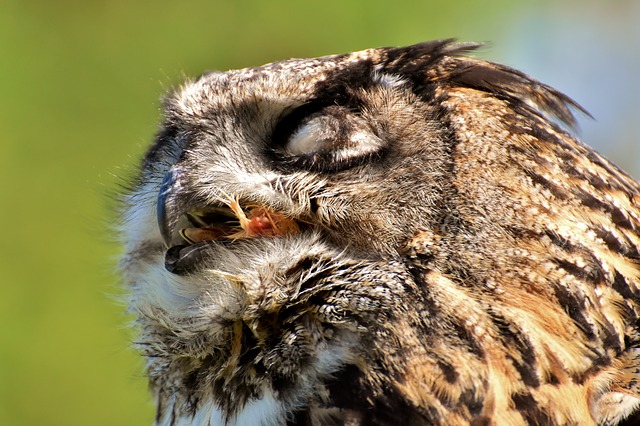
x,y
397,233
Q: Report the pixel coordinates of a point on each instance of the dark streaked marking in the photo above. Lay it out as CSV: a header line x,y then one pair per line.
x,y
527,371
617,216
347,396
540,180
621,285
519,341
232,389
552,378
469,339
568,156
587,199
436,61
613,170
341,84
567,167
523,232
450,373
350,390
573,305
620,219
614,244
473,400
600,184
593,275
306,264
528,154
592,179
543,132
610,340
530,410
560,241
524,401
193,379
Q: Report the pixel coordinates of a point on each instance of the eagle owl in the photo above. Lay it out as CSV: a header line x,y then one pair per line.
x,y
397,235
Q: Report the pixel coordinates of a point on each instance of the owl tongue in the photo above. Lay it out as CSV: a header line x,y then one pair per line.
x,y
261,222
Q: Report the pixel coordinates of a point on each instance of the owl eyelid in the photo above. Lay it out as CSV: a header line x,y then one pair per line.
x,y
327,162
321,137
292,120
305,140
332,155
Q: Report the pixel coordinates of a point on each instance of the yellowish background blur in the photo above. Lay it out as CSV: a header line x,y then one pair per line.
x,y
80,83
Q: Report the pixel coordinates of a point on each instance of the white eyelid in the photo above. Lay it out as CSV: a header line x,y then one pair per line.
x,y
307,139
323,135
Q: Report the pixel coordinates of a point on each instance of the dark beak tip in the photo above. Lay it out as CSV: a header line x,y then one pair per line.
x,y
183,259
172,260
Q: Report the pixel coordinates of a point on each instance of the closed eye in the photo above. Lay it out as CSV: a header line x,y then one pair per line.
x,y
332,138
311,137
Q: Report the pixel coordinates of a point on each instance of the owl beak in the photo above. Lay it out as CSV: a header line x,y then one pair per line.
x,y
212,222
167,211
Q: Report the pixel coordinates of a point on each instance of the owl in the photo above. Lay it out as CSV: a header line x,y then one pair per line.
x,y
392,236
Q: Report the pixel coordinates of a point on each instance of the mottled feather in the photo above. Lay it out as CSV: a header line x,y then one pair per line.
x,y
455,256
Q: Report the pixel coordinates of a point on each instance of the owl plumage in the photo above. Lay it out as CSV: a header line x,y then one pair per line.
x,y
393,235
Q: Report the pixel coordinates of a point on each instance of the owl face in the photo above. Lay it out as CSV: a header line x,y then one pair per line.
x,y
317,240
312,142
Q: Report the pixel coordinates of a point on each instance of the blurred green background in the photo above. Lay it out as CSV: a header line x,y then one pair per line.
x,y
80,83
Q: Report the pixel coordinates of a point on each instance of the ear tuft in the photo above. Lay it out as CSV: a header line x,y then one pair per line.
x,y
518,88
442,62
